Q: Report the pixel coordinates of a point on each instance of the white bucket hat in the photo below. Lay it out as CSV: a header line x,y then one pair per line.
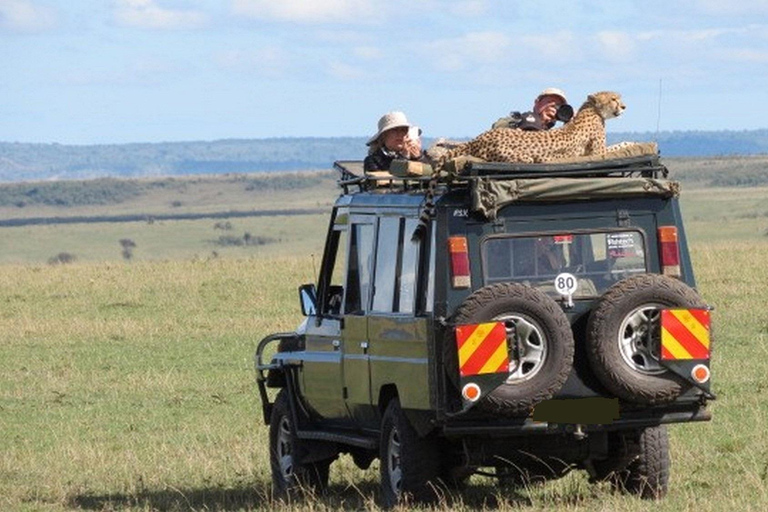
x,y
552,91
394,119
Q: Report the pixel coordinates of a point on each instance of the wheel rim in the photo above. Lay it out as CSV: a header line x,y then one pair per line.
x,y
527,347
284,449
393,462
638,334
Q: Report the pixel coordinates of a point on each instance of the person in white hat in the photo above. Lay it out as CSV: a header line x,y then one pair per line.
x,y
396,138
550,106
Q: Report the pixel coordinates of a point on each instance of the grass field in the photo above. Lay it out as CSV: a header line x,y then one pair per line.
x,y
129,385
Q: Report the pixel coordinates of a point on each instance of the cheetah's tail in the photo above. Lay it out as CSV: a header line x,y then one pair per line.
x,y
428,210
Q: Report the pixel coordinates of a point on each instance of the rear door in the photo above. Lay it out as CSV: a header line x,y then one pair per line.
x,y
355,341
397,331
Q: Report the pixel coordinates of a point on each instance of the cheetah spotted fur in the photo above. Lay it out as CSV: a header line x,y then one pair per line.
x,y
582,136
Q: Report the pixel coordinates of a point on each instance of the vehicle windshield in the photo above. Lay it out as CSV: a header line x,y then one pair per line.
x,y
597,260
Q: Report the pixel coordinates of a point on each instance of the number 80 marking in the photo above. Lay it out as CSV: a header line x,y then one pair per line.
x,y
566,284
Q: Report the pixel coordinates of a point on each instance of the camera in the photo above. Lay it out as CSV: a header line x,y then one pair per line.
x,y
564,113
414,132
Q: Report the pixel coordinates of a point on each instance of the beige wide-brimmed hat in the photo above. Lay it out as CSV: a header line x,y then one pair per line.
x,y
394,119
552,91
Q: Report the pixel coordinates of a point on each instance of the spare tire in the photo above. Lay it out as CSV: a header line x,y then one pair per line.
x,y
540,343
624,337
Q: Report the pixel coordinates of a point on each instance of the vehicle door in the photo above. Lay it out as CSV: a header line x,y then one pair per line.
x,y
321,375
398,352
355,342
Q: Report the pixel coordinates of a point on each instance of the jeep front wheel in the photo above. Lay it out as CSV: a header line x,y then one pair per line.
x,y
539,341
290,474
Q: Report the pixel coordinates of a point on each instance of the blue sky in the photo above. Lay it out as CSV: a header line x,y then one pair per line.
x,y
116,71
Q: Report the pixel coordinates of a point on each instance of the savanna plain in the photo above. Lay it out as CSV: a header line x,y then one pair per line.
x,y
126,350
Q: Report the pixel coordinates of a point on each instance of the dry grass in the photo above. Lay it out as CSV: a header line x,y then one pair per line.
x,y
130,386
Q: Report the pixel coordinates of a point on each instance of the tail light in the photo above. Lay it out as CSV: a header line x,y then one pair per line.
x,y
669,251
457,248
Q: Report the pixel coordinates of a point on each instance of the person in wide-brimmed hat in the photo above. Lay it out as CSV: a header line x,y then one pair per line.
x,y
395,138
544,114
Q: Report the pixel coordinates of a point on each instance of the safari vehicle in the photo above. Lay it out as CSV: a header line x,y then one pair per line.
x,y
516,321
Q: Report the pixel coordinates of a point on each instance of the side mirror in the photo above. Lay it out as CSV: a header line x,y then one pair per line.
x,y
308,299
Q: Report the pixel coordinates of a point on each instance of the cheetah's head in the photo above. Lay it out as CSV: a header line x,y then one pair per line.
x,y
608,104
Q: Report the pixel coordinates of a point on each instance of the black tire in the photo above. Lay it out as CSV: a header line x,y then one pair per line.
x,y
622,353
290,475
542,357
410,465
644,464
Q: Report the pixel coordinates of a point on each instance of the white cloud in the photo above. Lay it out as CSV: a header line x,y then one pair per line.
x,y
748,55
694,36
616,46
141,71
25,16
345,71
558,47
470,7
341,37
147,14
368,52
468,50
733,8
271,61
307,11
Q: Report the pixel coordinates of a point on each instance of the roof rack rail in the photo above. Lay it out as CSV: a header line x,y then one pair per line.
x,y
644,166
647,166
353,175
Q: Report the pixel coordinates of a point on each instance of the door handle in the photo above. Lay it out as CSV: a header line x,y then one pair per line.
x,y
364,345
336,344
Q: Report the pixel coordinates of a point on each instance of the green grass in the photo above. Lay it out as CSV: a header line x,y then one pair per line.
x,y
130,385
156,196
174,239
711,214
178,239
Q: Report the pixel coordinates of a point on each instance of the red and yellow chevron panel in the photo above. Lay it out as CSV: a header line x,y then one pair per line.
x,y
685,334
482,348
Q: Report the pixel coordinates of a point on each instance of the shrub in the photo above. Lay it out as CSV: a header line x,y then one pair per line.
x,y
62,258
128,245
242,241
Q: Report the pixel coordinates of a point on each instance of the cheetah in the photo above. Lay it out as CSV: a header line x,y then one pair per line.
x,y
584,135
581,136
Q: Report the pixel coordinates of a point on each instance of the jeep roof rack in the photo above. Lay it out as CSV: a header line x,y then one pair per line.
x,y
353,175
644,166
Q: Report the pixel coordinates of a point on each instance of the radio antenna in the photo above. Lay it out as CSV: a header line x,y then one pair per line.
x,y
658,114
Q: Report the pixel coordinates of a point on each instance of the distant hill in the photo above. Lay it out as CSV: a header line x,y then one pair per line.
x,y
701,143
32,162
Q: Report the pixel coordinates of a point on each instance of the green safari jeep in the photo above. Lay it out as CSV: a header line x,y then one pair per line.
x,y
514,321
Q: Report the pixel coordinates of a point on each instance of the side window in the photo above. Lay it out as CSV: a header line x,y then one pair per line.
x,y
334,292
431,275
386,264
408,268
397,261
359,269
